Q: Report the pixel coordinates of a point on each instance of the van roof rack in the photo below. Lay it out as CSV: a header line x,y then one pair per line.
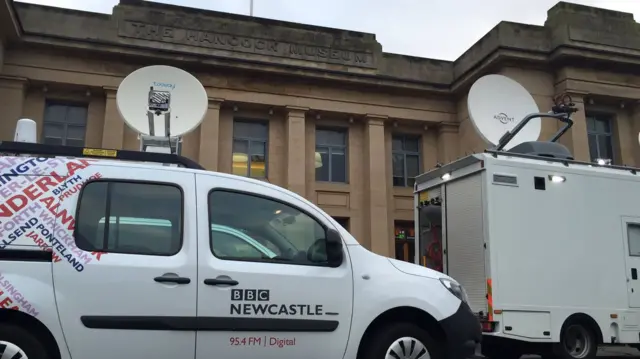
x,y
71,151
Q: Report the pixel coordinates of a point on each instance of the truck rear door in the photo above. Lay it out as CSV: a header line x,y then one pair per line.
x,y
465,238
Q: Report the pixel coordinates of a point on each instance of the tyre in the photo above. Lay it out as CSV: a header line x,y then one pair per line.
x,y
402,341
18,343
577,341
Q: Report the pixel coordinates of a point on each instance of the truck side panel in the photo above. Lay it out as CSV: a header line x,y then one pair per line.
x,y
465,237
560,249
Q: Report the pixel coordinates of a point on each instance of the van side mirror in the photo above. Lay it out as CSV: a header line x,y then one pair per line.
x,y
335,255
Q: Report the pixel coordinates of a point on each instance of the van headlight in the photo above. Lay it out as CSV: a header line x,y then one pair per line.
x,y
455,289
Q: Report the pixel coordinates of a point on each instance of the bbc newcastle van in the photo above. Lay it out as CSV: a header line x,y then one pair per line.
x,y
115,254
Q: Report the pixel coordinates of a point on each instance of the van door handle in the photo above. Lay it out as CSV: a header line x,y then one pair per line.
x,y
176,280
634,273
211,281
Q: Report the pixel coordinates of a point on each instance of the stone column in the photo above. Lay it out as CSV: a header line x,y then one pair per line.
x,y
210,136
295,133
429,148
12,93
113,130
576,139
634,148
376,185
448,142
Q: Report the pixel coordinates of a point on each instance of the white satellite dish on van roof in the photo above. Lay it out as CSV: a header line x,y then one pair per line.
x,y
497,104
162,90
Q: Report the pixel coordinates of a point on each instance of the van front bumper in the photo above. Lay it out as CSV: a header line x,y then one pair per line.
x,y
463,333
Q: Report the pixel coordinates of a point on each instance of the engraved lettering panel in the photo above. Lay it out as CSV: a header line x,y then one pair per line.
x,y
222,41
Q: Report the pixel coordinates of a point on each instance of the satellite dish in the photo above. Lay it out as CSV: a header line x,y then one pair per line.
x,y
25,131
150,92
497,104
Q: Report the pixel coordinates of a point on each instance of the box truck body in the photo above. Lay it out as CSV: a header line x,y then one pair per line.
x,y
537,243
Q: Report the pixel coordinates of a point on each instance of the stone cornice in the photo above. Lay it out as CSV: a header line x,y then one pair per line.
x,y
572,34
376,120
215,103
10,25
296,111
448,127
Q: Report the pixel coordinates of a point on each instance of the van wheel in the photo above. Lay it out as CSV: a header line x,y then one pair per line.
x,y
402,341
577,341
17,343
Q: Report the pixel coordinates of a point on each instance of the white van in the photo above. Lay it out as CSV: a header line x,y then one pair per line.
x,y
117,258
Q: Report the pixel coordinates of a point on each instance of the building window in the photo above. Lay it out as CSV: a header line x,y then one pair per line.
x,y
600,136
343,221
406,160
250,148
331,154
130,217
405,241
64,124
251,228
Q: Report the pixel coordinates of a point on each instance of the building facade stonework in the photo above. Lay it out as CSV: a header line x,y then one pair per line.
x,y
323,112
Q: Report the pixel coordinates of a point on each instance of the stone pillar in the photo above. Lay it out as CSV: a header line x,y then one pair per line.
x,y
576,139
429,148
634,148
12,94
448,142
210,136
113,130
376,185
295,133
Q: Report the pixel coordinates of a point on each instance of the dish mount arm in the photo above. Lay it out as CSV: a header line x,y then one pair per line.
x,y
561,111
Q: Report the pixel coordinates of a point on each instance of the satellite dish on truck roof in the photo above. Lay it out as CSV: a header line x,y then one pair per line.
x,y
497,104
154,90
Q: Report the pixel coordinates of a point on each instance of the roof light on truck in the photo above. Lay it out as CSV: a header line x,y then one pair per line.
x,y
446,176
557,179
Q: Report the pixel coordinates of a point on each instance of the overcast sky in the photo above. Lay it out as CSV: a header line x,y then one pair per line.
x,y
439,29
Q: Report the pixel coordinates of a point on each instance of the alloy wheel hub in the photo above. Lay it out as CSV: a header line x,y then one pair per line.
x,y
11,351
407,348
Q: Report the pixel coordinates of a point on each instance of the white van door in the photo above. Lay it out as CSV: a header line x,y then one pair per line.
x,y
264,290
631,233
127,285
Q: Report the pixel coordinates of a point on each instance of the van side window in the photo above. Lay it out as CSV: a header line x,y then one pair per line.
x,y
130,217
253,228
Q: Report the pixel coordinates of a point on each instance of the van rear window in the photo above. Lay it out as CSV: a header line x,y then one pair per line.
x,y
144,218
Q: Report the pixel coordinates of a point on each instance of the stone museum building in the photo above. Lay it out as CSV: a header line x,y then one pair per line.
x,y
323,112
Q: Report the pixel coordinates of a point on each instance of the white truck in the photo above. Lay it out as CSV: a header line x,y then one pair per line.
x,y
548,248
105,255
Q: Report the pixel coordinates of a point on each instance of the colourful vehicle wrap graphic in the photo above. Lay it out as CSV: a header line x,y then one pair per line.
x,y
31,193
12,298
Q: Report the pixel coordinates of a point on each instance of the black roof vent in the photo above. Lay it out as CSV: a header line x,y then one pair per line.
x,y
543,149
